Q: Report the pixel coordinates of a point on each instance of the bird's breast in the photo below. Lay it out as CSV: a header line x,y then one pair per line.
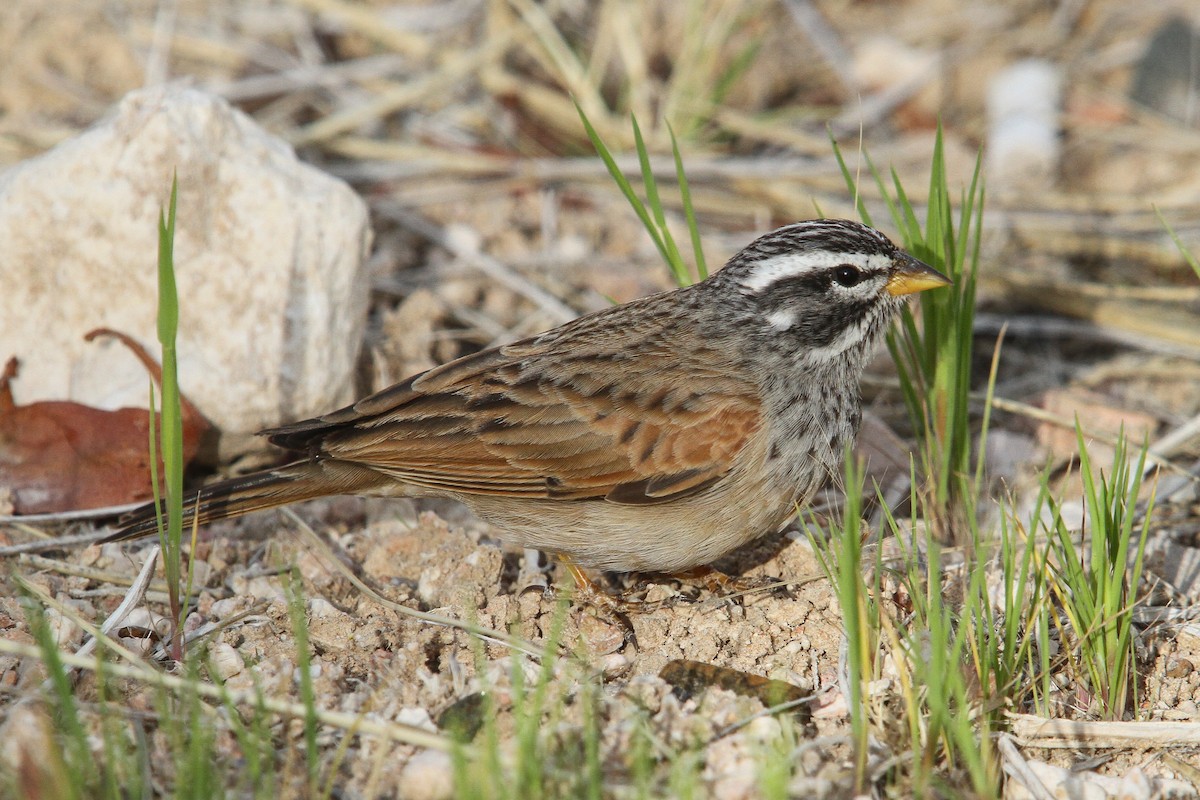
x,y
811,426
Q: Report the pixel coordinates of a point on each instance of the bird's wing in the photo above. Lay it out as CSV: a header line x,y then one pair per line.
x,y
540,419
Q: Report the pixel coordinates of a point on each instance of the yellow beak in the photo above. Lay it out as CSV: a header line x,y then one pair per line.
x,y
912,275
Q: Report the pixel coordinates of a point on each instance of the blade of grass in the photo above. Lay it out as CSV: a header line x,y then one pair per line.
x,y
685,194
1096,590
308,698
674,259
393,731
653,217
1187,254
841,560
66,711
623,184
170,434
934,359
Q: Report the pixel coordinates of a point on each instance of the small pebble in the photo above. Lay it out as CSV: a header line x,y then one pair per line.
x,y
1179,668
320,608
416,717
227,660
463,238
429,775
615,665
225,607
601,637
66,633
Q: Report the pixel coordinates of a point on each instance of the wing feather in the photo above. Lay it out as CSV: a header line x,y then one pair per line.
x,y
577,415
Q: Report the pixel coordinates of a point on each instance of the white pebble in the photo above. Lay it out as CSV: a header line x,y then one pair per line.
x,y
225,607
227,660
1024,146
416,717
320,608
463,238
429,775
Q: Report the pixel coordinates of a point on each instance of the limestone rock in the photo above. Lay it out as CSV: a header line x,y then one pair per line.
x,y
1024,142
269,258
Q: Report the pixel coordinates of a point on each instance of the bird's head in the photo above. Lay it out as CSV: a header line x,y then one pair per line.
x,y
830,285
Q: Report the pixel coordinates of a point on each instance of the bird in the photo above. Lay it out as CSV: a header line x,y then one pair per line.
x,y
654,436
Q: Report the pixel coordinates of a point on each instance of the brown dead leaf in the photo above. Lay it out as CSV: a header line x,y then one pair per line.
x,y
62,455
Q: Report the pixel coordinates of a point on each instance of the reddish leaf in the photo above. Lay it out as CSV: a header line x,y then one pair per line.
x,y
62,455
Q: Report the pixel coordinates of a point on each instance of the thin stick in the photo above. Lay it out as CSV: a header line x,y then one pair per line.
x,y
1042,415
369,23
825,40
1034,731
56,543
1016,767
393,731
477,630
558,311
80,571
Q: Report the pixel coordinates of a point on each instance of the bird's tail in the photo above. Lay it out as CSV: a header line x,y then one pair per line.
x,y
232,498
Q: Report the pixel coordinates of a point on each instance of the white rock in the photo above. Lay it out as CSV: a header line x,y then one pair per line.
x,y
1024,146
65,632
416,717
26,737
464,238
142,617
262,587
226,660
1133,785
885,62
320,608
269,257
226,607
429,775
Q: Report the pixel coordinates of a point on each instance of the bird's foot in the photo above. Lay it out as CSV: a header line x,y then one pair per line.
x,y
592,598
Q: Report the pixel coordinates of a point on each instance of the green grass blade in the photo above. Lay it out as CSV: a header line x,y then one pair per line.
x,y
1187,254
623,184
170,419
674,259
66,711
308,698
851,183
685,194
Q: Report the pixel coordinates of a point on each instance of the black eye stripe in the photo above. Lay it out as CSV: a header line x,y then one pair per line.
x,y
808,284
817,282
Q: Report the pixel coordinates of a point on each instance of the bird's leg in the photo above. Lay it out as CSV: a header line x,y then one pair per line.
x,y
584,585
588,593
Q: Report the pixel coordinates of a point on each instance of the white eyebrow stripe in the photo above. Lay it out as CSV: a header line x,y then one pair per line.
x,y
792,265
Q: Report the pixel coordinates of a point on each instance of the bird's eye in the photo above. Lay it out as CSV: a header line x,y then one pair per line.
x,y
847,275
